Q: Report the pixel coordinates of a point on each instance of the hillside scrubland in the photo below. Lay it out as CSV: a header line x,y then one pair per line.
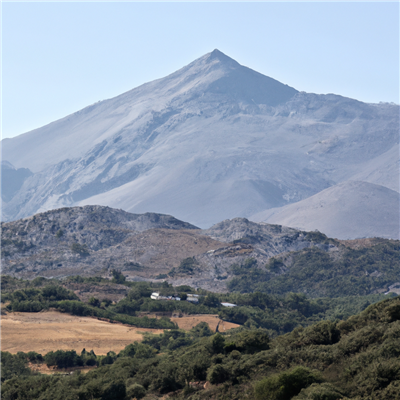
x,y
357,358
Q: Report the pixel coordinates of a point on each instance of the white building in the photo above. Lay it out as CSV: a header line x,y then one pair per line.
x,y
229,305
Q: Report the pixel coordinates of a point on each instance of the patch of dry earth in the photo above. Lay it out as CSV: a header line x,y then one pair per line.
x,y
49,331
189,321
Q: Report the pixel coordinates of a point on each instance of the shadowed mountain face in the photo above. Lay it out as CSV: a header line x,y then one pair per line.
x,y
212,141
12,180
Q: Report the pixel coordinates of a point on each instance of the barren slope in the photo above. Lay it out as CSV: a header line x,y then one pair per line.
x,y
346,211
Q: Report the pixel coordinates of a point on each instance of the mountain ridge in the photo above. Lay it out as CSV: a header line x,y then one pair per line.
x,y
209,73
203,144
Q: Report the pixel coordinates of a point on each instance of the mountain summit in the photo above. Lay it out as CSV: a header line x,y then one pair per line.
x,y
216,74
210,80
211,141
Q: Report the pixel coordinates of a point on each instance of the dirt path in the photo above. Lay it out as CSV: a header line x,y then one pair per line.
x,y
49,331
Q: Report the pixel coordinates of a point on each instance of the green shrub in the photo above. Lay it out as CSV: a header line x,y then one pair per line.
x,y
322,333
275,265
34,357
94,302
285,385
217,374
80,249
217,343
114,391
136,391
63,359
201,330
322,391
252,341
118,276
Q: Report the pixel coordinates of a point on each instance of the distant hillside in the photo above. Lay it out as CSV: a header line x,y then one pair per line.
x,y
88,240
348,210
236,255
94,240
317,273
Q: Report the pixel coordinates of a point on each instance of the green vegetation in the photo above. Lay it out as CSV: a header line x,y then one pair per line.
x,y
285,385
188,266
80,249
59,233
118,277
15,245
53,296
358,358
312,326
316,273
277,314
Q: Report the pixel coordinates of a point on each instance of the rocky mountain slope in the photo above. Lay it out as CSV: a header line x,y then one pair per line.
x,y
212,141
93,240
235,254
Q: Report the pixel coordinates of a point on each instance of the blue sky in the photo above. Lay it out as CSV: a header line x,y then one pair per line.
x,y
60,57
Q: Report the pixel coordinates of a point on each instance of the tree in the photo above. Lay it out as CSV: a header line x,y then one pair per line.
x,y
136,391
285,385
211,300
118,277
217,374
80,249
217,343
94,302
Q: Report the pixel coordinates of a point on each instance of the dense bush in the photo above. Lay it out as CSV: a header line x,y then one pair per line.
x,y
285,385
136,391
63,359
319,391
13,366
80,249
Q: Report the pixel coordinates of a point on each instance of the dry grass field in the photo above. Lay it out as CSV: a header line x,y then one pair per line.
x,y
49,331
190,321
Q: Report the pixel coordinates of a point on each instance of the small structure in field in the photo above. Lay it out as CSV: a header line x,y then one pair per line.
x,y
229,305
192,298
156,296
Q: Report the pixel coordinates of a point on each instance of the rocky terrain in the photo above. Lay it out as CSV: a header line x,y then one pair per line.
x,y
94,240
212,141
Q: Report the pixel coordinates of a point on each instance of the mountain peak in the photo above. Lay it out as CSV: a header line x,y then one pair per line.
x,y
219,55
216,73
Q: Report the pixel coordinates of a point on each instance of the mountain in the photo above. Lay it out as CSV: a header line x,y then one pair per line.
x,y
12,179
94,239
212,141
236,254
351,209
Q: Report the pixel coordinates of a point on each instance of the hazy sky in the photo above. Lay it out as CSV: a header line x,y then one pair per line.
x,y
60,57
